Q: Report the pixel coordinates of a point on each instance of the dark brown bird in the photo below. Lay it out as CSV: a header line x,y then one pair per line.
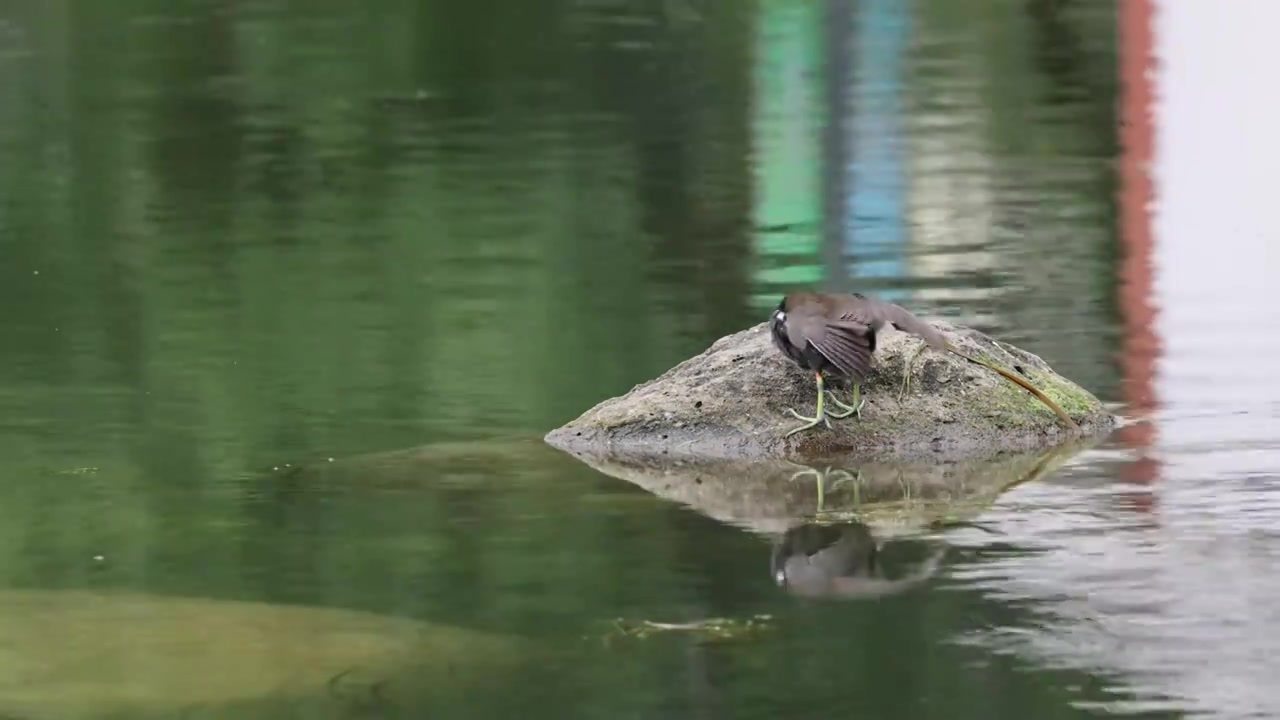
x,y
835,334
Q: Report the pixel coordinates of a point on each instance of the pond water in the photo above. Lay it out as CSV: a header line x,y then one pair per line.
x,y
289,295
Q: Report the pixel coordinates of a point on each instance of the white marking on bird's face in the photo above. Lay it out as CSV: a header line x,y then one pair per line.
x,y
780,316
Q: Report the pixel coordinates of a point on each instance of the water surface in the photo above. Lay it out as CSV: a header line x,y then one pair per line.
x,y
392,245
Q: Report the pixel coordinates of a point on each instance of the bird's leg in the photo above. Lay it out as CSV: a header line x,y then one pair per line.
x,y
906,370
855,408
819,417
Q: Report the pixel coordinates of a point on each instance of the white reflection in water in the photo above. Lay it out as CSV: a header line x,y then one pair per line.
x,y
1175,597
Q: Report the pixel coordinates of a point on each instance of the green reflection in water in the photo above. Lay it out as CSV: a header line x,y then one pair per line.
x,y
239,236
789,116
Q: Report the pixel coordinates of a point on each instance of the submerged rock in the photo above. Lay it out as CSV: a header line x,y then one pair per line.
x,y
100,654
731,401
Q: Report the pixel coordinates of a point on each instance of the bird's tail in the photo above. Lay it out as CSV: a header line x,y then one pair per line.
x,y
1021,382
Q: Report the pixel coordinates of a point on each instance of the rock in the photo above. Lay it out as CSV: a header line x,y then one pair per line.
x,y
730,401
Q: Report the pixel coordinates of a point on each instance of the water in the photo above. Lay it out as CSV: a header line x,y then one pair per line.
x,y
288,296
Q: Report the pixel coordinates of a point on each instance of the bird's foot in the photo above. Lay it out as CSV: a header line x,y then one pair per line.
x,y
854,409
820,418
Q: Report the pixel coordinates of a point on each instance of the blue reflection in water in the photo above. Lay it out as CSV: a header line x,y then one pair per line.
x,y
875,238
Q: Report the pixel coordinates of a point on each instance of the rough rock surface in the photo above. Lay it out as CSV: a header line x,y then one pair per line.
x,y
730,401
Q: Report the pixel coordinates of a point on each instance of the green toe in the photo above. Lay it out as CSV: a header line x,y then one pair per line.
x,y
809,422
854,409
848,409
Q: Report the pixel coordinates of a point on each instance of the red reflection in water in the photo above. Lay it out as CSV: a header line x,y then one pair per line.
x,y
1140,346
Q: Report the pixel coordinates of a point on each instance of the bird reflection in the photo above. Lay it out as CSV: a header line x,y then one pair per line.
x,y
839,561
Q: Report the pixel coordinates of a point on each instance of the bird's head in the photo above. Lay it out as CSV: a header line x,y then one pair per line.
x,y
779,313
778,328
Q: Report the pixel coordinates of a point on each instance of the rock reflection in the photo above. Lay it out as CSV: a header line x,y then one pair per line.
x,y
771,497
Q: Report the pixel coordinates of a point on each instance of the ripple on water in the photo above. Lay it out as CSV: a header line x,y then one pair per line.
x,y
1175,602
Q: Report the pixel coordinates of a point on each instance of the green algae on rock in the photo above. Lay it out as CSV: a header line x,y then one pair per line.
x,y
731,401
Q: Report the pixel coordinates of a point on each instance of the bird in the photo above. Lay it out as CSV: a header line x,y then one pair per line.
x,y
835,334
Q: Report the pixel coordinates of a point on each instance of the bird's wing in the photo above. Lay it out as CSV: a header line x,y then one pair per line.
x,y
847,345
876,313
